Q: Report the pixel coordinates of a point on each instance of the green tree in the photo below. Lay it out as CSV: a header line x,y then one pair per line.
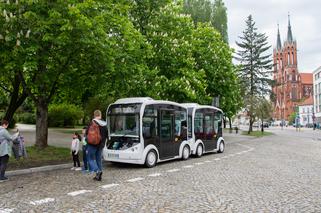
x,y
263,110
219,18
255,66
66,40
214,57
203,11
170,35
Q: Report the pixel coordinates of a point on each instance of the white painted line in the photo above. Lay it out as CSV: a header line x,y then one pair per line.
x,y
217,159
200,163
188,166
225,157
135,179
75,193
207,161
6,210
173,170
42,201
109,185
155,175
239,153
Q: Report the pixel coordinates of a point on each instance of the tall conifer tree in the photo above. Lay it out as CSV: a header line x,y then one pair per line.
x,y
256,64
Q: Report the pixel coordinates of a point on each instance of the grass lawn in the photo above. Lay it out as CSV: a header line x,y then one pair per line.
x,y
257,133
37,157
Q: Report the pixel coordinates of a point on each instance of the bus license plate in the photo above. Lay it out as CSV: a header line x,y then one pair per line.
x,y
111,155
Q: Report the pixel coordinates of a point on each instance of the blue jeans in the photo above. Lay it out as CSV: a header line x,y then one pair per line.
x,y
94,158
85,158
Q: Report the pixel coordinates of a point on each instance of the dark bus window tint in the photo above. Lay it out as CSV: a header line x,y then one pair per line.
x,y
217,121
149,127
208,126
198,123
166,126
181,125
189,126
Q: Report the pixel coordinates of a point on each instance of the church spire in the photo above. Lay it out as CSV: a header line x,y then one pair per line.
x,y
278,41
289,38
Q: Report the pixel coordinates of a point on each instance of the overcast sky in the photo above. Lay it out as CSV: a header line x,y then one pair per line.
x,y
305,19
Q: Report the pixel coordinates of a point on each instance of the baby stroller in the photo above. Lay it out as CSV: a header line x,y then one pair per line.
x,y
18,146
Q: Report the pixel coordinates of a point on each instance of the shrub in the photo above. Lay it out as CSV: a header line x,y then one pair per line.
x,y
64,115
26,118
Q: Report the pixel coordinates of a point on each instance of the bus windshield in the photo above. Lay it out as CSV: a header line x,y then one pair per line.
x,y
124,125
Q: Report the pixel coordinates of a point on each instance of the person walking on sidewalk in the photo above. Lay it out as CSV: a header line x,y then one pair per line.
x,y
5,149
96,135
75,150
84,151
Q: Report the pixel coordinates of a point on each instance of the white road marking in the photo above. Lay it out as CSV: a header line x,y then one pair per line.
x,y
200,163
155,175
239,153
217,159
42,201
188,166
208,161
173,170
225,157
109,185
135,179
75,193
6,210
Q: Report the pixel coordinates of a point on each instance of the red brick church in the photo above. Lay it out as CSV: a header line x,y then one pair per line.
x,y
291,86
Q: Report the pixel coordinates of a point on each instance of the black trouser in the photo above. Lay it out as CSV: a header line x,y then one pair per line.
x,y
75,158
3,165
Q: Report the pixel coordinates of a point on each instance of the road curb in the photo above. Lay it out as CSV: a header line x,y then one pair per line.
x,y
38,169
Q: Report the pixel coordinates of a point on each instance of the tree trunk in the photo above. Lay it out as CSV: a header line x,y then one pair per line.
x,y
42,124
224,121
262,126
15,100
251,125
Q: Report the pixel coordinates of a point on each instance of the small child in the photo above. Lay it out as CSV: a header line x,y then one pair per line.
x,y
84,150
74,151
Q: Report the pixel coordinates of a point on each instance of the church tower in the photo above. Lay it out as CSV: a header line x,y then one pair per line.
x,y
286,76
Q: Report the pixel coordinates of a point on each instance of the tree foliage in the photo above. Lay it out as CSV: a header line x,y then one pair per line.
x,y
255,69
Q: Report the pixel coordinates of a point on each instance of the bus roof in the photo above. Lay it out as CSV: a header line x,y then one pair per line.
x,y
145,100
196,105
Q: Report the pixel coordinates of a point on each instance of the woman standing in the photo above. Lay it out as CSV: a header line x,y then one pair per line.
x,y
5,149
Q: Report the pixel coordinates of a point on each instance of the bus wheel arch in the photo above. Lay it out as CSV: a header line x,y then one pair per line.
x,y
151,158
199,150
221,146
186,152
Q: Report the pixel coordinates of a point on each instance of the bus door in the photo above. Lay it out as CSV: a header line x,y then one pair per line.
x,y
167,143
218,125
209,138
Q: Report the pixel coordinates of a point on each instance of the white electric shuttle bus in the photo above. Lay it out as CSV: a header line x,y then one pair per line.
x,y
205,129
146,131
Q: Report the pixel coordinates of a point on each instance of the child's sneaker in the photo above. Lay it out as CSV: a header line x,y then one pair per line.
x,y
73,168
77,169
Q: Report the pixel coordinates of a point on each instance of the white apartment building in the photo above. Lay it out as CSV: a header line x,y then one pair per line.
x,y
317,95
306,112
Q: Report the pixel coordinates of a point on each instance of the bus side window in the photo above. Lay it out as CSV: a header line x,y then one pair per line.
x,y
198,123
217,121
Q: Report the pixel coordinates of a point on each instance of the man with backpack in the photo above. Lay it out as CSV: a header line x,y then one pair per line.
x,y
96,136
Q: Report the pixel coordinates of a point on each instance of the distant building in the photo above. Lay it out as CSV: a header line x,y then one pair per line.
x,y
306,112
317,95
291,87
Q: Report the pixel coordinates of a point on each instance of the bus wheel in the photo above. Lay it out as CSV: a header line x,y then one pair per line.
x,y
151,159
185,153
221,148
199,150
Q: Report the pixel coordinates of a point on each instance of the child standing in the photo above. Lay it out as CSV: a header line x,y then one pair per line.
x,y
84,150
74,151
